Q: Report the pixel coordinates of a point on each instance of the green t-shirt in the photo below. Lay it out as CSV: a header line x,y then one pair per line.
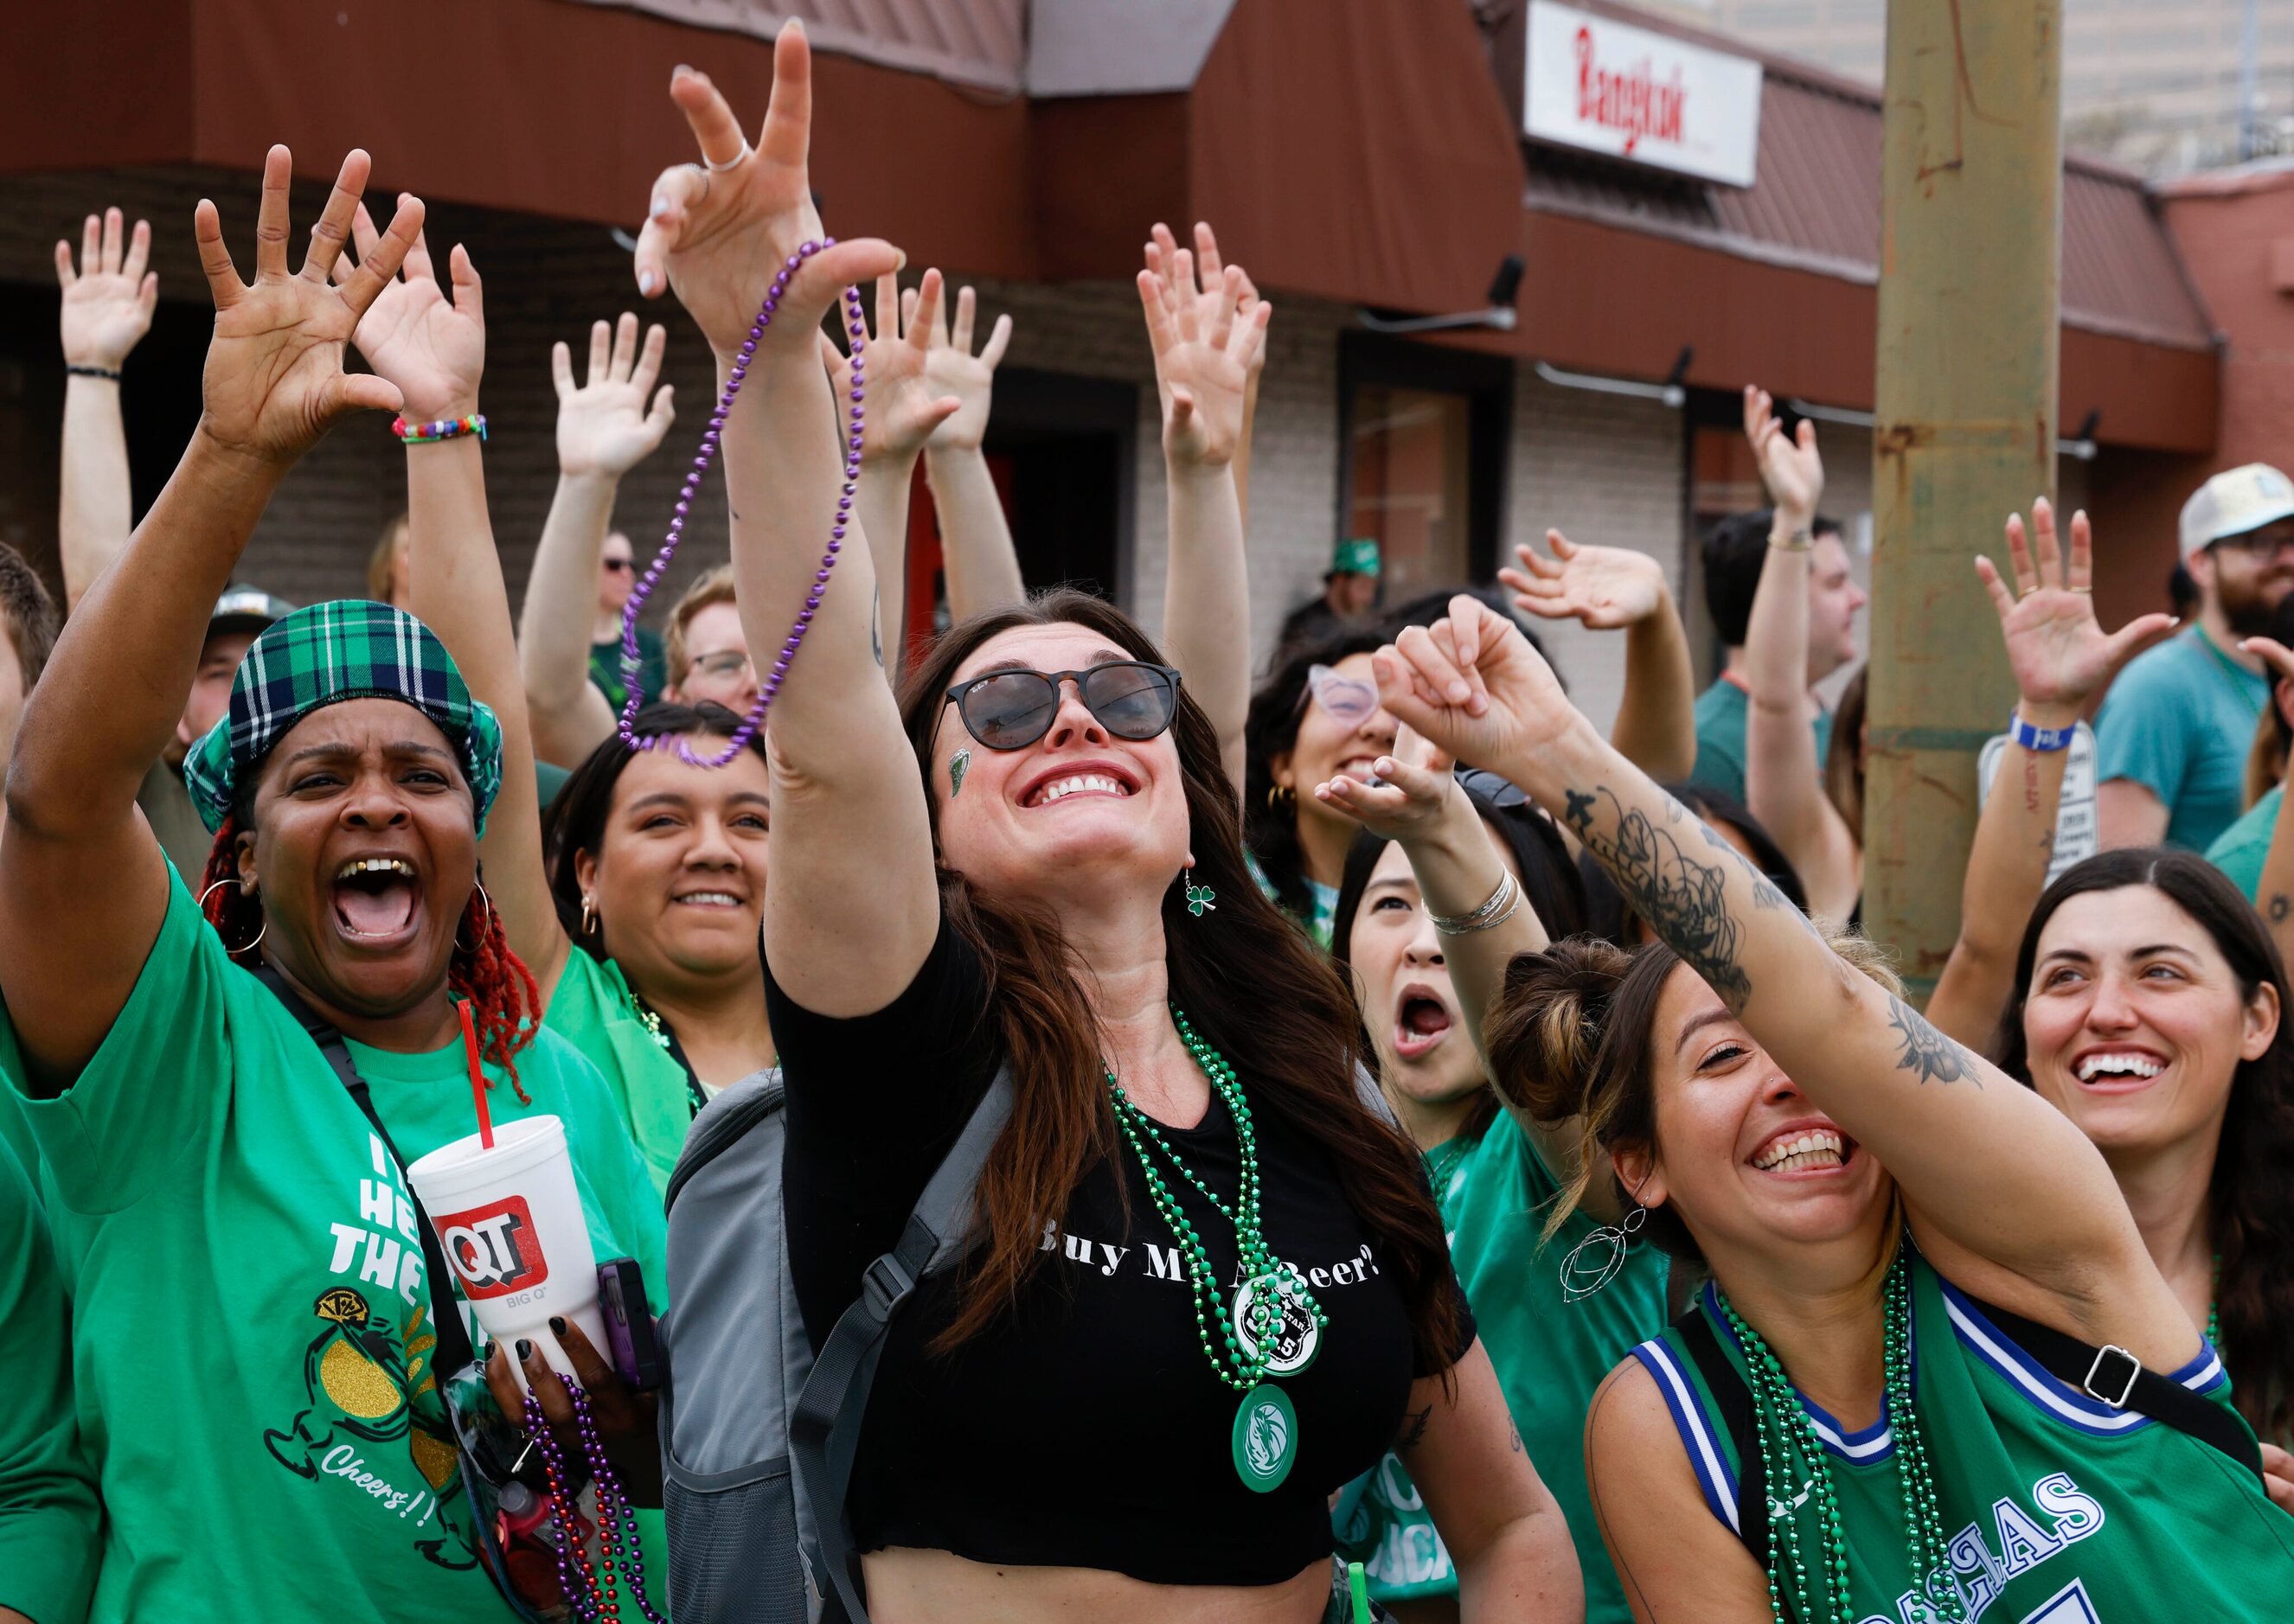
x,y
48,1511
1324,898
605,668
2179,721
2239,850
2056,1509
252,1324
1550,1355
595,1012
1720,712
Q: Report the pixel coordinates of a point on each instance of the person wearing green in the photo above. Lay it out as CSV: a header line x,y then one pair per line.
x,y
617,575
1920,1263
2239,849
48,1509
1489,1170
253,1320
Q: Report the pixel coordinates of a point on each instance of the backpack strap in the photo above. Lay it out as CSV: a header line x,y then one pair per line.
x,y
1733,1400
453,1349
825,1428
2115,1377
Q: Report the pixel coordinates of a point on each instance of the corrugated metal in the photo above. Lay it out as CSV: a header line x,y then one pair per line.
x,y
1815,206
972,41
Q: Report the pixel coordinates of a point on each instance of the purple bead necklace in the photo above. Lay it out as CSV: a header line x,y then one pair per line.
x,y
593,1598
858,330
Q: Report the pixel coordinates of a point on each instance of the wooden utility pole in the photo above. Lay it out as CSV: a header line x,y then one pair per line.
x,y
1965,430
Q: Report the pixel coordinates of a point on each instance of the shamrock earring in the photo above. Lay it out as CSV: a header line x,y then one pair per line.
x,y
957,765
1199,897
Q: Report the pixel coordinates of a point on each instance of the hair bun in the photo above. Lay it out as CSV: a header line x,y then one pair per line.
x,y
1546,1028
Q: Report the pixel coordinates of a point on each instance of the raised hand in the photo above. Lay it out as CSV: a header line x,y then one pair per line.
x,y
1472,686
903,406
109,301
434,349
1412,796
951,371
2058,652
1791,469
1201,372
1604,588
604,426
720,231
274,381
1162,256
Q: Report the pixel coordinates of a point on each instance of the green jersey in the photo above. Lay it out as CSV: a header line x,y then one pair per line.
x,y
2056,1508
593,1008
251,1330
1549,1354
48,1511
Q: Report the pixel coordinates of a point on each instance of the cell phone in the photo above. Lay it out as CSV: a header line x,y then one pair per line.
x,y
629,1322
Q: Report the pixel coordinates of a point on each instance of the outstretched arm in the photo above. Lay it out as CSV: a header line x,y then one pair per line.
x,y
983,567
2060,658
1202,369
604,428
854,908
1604,588
435,352
1163,259
107,309
2005,1189
83,886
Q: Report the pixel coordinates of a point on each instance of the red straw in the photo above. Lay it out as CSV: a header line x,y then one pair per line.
x,y
477,1077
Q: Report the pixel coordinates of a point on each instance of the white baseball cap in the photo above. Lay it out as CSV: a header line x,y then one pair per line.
x,y
2233,502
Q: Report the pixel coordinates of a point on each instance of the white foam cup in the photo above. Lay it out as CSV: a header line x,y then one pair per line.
x,y
509,1220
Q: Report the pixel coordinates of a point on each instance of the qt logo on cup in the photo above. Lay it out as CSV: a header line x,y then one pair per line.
x,y
494,1248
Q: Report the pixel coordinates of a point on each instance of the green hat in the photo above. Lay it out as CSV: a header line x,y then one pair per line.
x,y
320,657
1357,555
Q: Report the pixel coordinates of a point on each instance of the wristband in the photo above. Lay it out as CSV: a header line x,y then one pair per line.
x,y
2040,740
1801,540
92,372
444,428
1500,907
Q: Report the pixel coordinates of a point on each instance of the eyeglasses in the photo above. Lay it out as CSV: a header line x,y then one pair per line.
x,y
1497,791
1011,709
617,566
724,663
2262,545
1349,699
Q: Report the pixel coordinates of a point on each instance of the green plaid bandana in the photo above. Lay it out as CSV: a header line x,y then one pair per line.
x,y
320,657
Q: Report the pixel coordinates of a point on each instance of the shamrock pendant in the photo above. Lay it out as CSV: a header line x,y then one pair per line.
x,y
1198,900
1266,1438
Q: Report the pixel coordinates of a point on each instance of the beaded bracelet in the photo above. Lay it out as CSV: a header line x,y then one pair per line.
x,y
444,428
1801,540
102,372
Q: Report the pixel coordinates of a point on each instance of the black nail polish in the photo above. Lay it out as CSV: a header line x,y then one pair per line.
x,y
556,1325
524,1349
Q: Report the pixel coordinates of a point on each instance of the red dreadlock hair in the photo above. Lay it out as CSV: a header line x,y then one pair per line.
x,y
505,1004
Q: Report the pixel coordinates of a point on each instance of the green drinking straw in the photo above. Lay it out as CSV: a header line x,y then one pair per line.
x,y
1358,1588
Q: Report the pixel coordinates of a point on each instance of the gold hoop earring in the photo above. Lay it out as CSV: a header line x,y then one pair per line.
x,y
245,889
488,903
1280,796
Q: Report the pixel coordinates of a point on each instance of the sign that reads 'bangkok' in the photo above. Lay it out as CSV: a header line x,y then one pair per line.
x,y
1609,87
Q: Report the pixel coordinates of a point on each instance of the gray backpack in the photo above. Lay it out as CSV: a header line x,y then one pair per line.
x,y
758,1427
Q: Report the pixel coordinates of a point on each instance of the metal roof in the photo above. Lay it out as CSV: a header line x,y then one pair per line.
x,y
1816,204
981,43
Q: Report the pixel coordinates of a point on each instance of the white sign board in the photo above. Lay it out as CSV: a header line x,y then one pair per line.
x,y
2077,835
1609,87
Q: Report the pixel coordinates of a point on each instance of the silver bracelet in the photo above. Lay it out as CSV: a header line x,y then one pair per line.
x,y
1489,916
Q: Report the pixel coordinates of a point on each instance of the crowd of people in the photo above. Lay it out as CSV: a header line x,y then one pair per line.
x,y
1577,1218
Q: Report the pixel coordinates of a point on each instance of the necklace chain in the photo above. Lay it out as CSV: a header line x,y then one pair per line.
x,y
1795,1469
1269,1279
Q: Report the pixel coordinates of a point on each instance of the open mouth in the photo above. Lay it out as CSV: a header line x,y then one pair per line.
x,y
707,899
1094,778
1421,1024
1801,1152
2116,1070
1363,767
375,898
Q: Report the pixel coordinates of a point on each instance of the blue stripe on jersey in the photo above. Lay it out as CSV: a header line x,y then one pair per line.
x,y
2203,1375
1874,1442
1704,1453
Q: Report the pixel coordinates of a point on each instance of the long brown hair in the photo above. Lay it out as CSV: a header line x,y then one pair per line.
x,y
2252,1201
1248,982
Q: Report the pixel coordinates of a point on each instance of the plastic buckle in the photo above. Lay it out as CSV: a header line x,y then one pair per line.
x,y
884,1283
2134,1370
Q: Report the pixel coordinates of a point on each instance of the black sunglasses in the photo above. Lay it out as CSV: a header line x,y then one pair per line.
x,y
1011,709
617,565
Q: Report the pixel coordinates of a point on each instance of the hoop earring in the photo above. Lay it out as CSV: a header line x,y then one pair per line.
x,y
245,889
1581,1280
1280,796
588,913
488,903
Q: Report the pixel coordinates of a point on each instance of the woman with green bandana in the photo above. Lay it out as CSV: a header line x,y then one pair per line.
x,y
1936,1374
254,1333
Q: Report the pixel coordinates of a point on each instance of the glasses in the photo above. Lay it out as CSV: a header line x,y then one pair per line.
x,y
1011,709
2263,545
617,566
725,663
1349,699
1497,791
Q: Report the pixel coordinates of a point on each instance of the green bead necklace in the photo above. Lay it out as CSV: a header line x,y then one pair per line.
x,y
1793,1458
1256,1339
2214,1307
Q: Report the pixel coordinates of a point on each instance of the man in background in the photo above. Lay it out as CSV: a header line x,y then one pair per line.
x,y
617,578
241,615
1349,594
2173,733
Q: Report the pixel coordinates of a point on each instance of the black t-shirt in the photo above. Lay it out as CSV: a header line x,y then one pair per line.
x,y
1084,1427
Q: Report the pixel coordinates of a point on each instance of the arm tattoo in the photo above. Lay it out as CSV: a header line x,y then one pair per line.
x,y
1685,901
2279,905
1413,1428
1765,894
1513,1435
1926,1050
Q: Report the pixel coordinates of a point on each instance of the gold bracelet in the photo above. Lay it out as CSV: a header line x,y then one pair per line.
x,y
1801,540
